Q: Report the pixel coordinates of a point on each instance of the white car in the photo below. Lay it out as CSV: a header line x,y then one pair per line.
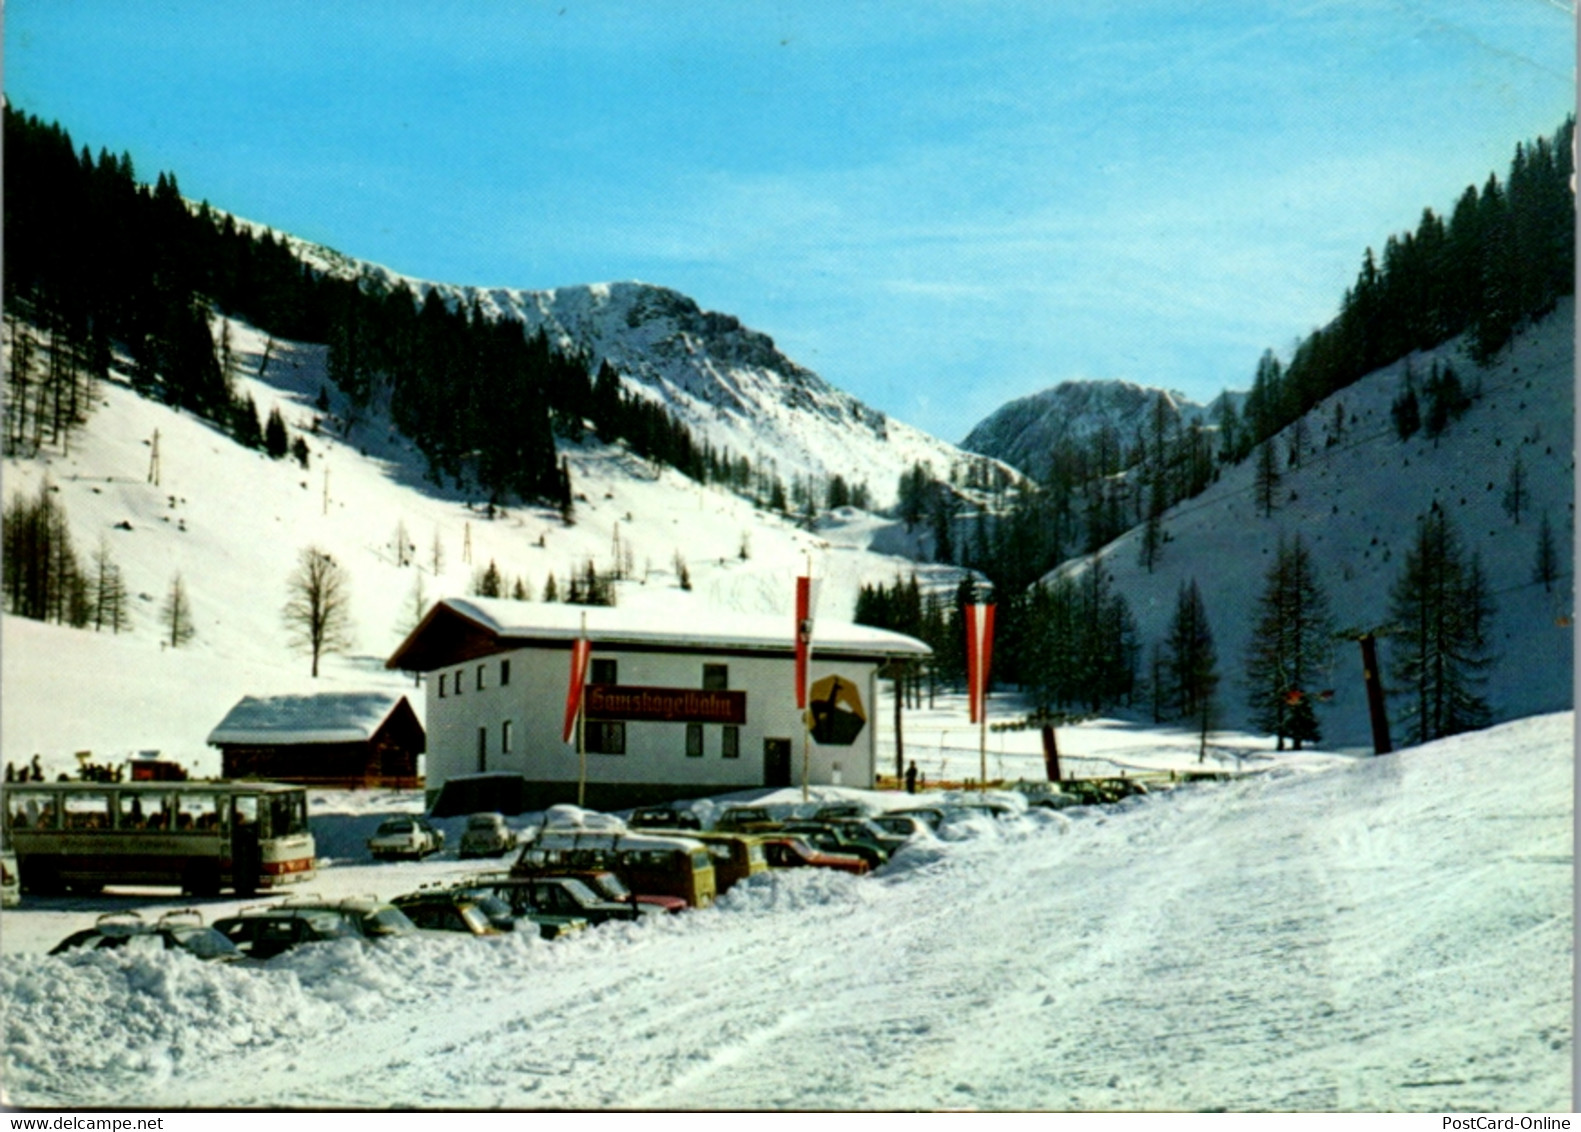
x,y
487,835
411,837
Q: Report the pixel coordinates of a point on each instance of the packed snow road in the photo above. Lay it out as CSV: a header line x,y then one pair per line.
x,y
1390,934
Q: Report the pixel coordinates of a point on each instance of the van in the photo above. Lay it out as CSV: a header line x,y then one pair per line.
x,y
737,856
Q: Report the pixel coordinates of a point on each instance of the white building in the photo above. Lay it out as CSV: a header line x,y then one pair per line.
x,y
678,704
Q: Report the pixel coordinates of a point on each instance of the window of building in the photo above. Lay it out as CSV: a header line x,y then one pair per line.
x,y
716,677
480,677
441,685
505,737
483,749
459,674
606,672
505,673
730,744
694,740
604,737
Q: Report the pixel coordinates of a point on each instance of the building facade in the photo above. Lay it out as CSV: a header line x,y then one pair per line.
x,y
675,707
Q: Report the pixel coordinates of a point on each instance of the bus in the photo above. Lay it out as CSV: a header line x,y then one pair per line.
x,y
202,836
649,864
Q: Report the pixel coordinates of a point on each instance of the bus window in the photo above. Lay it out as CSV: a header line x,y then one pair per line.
x,y
30,811
287,814
140,810
246,806
197,813
87,811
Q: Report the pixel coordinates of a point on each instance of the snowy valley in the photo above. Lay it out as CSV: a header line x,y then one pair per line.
x,y
1335,932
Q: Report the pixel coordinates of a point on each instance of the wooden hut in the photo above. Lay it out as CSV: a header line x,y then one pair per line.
x,y
333,740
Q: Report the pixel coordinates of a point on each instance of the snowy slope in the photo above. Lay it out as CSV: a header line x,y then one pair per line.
x,y
1388,933
1355,505
232,523
1026,432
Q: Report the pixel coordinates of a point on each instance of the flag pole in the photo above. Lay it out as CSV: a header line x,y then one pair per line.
x,y
806,677
581,734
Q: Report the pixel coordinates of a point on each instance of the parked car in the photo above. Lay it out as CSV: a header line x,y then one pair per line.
x,y
609,886
486,835
789,852
978,807
565,896
499,898
836,839
930,816
844,810
866,829
457,910
900,825
746,819
409,837
183,931
663,817
265,930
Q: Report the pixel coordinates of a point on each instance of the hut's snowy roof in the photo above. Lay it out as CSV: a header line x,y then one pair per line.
x,y
324,717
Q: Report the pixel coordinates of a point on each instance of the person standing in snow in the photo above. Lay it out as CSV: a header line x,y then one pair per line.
x,y
911,777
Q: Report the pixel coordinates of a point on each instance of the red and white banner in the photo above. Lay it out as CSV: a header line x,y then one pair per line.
x,y
806,607
581,650
979,652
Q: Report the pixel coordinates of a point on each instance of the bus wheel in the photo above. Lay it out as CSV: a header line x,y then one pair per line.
x,y
203,880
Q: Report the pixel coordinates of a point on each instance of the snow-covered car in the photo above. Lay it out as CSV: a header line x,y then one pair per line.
x,y
663,817
565,896
174,931
832,838
486,835
746,819
496,894
409,837
264,931
900,825
794,853
456,910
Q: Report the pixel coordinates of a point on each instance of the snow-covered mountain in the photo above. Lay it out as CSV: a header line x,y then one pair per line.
x,y
728,383
1024,433
1355,499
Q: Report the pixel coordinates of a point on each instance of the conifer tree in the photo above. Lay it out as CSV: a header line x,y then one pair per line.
x,y
1191,663
1441,610
1515,491
1546,567
1290,644
276,442
1266,481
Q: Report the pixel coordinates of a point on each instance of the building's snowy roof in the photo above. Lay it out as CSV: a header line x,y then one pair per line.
x,y
325,717
683,626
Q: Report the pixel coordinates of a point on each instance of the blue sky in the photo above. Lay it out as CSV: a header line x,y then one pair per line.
x,y
939,205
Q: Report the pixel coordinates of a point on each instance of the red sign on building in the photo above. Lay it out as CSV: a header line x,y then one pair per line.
x,y
665,705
